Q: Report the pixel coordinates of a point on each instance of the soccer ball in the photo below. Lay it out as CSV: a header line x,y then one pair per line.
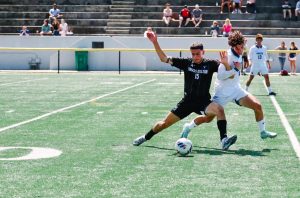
x,y
183,146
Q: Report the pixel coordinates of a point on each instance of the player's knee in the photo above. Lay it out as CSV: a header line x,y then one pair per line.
x,y
219,110
257,107
162,125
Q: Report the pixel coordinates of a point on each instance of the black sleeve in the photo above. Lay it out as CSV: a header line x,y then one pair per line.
x,y
215,65
181,63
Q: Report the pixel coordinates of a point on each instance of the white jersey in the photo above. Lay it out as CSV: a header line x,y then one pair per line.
x,y
258,56
225,85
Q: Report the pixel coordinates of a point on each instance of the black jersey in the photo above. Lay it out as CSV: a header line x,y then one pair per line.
x,y
197,77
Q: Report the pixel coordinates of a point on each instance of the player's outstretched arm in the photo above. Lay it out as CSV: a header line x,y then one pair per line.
x,y
153,38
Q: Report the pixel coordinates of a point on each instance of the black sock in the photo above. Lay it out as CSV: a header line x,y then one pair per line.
x,y
222,126
149,135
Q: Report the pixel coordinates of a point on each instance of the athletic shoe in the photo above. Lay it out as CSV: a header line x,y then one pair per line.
x,y
185,131
267,134
227,142
272,93
138,141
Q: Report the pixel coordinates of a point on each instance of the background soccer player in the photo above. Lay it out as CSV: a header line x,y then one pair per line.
x,y
198,72
258,58
228,88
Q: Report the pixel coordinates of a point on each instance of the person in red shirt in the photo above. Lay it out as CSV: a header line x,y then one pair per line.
x,y
184,16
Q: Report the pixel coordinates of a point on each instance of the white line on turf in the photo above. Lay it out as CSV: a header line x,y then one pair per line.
x,y
71,107
11,83
293,138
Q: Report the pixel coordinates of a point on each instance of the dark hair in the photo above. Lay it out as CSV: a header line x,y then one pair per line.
x,y
259,36
196,45
236,38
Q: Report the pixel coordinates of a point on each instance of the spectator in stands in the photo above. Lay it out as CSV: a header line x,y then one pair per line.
x,y
56,27
281,55
292,58
197,15
184,16
287,8
24,31
223,3
63,28
227,28
215,29
236,6
297,9
167,14
54,13
251,6
46,28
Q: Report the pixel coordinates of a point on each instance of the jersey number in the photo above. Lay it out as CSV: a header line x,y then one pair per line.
x,y
259,56
196,76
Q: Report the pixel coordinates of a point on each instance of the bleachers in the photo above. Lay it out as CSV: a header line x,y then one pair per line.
x,y
102,17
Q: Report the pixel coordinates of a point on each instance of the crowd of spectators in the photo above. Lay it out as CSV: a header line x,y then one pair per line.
x,y
53,24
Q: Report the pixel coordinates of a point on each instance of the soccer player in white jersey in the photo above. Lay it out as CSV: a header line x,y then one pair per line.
x,y
228,88
258,58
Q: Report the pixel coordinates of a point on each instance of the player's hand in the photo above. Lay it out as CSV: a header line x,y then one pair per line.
x,y
224,58
151,36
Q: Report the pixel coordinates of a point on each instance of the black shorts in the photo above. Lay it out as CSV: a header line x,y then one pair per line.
x,y
186,107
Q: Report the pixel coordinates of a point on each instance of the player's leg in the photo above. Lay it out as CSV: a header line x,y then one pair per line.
x,y
249,81
211,109
264,72
169,120
183,109
215,109
251,102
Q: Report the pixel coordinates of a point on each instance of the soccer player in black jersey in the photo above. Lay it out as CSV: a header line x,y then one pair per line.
x,y
198,72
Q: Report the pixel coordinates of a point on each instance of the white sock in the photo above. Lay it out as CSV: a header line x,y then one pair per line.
x,y
270,89
192,124
261,125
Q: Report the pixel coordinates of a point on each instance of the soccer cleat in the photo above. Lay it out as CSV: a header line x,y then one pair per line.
x,y
267,134
138,141
272,93
185,131
227,142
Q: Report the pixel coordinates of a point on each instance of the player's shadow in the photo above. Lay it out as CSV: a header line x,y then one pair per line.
x,y
240,152
216,151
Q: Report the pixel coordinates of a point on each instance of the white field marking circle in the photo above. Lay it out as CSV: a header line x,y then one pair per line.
x,y
10,111
293,138
36,153
11,83
72,106
144,113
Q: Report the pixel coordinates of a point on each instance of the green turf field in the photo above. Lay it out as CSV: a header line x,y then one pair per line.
x,y
95,138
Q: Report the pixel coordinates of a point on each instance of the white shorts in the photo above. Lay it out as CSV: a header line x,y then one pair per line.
x,y
235,97
293,59
263,70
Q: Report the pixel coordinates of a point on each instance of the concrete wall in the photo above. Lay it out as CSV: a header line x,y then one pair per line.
x,y
106,61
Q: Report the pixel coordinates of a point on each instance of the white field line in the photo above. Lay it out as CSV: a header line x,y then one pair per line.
x,y
293,138
71,107
11,83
